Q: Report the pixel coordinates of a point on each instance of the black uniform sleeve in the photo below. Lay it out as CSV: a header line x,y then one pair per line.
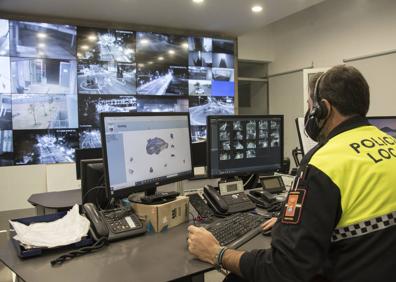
x,y
298,251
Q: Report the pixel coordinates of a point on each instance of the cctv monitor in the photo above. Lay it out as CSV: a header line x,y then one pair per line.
x,y
386,123
243,144
86,154
144,150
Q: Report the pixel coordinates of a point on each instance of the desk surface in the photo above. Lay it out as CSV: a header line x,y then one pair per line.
x,y
56,200
153,257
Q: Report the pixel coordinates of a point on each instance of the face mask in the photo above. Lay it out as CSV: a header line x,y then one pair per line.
x,y
312,127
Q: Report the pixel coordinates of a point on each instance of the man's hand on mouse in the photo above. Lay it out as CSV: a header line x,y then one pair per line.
x,y
269,223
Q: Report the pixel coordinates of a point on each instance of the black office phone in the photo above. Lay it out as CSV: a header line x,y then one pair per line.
x,y
114,224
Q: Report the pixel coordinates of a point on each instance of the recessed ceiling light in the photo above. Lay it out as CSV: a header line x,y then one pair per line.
x,y
198,1
257,9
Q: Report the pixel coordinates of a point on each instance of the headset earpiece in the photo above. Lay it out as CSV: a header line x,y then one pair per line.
x,y
319,110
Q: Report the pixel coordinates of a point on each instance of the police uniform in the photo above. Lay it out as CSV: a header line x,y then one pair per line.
x,y
340,220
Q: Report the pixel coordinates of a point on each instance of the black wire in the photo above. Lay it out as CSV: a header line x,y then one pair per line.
x,y
80,252
90,190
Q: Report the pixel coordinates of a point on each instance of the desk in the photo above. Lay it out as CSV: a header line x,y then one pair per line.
x,y
51,202
153,257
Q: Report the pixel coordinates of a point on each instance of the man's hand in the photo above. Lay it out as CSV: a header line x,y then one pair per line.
x,y
269,223
202,244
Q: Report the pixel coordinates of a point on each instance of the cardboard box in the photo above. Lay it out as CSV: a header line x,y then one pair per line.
x,y
161,217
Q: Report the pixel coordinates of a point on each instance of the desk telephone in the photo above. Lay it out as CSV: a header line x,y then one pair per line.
x,y
227,204
114,224
265,199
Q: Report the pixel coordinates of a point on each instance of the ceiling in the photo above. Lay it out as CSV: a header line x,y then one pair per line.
x,y
233,17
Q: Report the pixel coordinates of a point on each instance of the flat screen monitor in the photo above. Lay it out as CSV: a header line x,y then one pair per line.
x,y
144,150
86,154
242,144
385,123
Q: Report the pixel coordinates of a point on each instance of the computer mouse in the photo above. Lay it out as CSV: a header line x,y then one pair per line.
x,y
266,232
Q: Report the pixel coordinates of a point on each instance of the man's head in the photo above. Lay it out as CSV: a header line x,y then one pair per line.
x,y
336,95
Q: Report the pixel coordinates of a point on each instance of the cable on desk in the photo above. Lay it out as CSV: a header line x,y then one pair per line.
x,y
80,252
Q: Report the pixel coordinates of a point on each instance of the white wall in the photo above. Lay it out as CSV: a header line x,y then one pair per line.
x,y
325,34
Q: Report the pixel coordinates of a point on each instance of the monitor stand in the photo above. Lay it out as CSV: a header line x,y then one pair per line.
x,y
152,197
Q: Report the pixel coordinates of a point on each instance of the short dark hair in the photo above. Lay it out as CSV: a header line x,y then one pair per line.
x,y
345,88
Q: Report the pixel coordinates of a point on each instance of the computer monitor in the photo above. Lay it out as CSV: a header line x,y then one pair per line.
x,y
92,182
86,154
243,144
144,150
385,123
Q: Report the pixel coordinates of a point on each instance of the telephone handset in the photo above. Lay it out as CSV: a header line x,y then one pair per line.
x,y
98,227
215,200
114,224
227,204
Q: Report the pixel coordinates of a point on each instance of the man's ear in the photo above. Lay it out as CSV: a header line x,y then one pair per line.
x,y
327,105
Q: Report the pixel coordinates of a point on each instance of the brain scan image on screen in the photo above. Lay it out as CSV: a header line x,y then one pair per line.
x,y
5,112
90,138
112,78
39,111
43,76
106,45
4,38
202,106
42,40
199,87
45,147
203,44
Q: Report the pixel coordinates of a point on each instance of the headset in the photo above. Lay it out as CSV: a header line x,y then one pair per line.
x,y
319,110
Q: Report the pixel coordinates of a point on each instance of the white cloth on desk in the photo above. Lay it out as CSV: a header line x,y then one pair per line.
x,y
64,231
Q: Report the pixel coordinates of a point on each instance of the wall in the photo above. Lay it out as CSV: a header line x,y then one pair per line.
x,y
325,34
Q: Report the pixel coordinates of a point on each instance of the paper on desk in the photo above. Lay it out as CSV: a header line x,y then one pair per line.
x,y
67,230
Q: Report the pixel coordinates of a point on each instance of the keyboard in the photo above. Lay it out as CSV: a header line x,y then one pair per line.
x,y
200,206
235,230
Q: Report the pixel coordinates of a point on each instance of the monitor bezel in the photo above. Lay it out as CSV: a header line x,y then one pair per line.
x,y
236,117
125,192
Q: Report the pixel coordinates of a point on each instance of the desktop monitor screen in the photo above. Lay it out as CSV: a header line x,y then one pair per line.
x,y
240,145
145,150
386,123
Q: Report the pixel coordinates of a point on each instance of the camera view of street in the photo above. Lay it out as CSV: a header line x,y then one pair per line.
x,y
90,138
202,106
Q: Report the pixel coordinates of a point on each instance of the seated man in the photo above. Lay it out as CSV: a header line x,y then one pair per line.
x,y
338,222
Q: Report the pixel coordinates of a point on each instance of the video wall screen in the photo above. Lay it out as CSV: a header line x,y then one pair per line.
x,y
56,79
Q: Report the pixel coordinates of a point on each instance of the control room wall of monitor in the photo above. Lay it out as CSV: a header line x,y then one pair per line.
x,y
56,79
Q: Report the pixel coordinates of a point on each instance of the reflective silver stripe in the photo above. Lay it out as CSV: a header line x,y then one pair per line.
x,y
365,227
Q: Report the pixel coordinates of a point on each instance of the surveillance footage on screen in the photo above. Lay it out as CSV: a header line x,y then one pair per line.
x,y
203,44
90,138
160,79
42,40
5,112
110,78
202,106
198,133
5,77
223,74
200,73
199,87
4,37
200,59
225,61
90,107
45,146
39,111
107,45
43,76
161,48
161,104
6,148
223,46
